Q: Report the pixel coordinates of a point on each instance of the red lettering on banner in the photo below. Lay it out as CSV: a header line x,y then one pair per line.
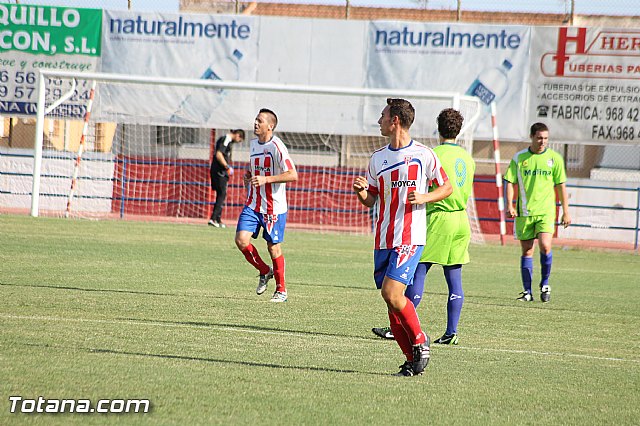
x,y
620,43
561,57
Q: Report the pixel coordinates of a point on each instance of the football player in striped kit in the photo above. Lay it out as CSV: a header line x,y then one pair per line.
x,y
448,230
266,206
398,178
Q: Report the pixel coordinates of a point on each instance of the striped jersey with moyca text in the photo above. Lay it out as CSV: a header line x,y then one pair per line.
x,y
393,174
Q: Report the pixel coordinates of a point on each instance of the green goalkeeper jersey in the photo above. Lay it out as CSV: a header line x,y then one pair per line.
x,y
536,176
460,168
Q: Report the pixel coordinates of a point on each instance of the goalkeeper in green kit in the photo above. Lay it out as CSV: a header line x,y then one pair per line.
x,y
448,229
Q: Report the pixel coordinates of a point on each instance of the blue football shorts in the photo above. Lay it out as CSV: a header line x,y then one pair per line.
x,y
398,263
272,225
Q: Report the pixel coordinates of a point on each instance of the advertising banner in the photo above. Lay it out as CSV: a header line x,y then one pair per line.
x,y
315,52
585,83
208,47
47,38
490,62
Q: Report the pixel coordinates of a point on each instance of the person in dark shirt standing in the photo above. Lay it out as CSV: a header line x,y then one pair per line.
x,y
220,171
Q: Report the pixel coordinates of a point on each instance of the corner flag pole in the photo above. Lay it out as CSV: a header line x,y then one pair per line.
x,y
81,148
496,158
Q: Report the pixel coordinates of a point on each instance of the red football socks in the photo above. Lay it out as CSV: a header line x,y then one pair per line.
x,y
278,273
409,320
252,256
401,336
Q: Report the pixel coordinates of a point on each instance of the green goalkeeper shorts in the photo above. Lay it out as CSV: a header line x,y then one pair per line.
x,y
448,236
528,227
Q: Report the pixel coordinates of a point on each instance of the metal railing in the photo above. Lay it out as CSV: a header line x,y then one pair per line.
x,y
636,210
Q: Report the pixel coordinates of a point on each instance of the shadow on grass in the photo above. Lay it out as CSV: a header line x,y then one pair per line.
x,y
153,293
117,291
246,327
508,302
206,359
231,362
372,287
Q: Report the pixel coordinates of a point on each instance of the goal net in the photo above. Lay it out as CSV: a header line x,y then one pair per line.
x,y
141,148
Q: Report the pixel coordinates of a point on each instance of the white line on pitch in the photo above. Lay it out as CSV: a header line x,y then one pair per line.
x,y
556,354
246,330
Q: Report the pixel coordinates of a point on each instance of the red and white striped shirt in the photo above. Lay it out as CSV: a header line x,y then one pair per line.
x,y
393,174
268,159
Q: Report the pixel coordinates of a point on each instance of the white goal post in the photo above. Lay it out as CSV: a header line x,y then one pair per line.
x,y
330,154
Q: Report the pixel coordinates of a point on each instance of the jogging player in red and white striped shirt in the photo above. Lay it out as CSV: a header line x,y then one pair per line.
x,y
266,207
398,178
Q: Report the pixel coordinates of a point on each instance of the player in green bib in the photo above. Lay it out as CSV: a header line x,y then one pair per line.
x,y
448,229
539,174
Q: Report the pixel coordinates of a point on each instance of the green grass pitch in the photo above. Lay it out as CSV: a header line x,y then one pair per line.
x,y
168,312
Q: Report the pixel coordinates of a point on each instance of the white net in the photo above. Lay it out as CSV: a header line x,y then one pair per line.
x,y
147,151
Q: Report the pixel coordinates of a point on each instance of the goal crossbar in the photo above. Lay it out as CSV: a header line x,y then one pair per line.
x,y
454,97
237,85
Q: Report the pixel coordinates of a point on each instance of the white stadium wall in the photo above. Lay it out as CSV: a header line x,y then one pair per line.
x,y
94,194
